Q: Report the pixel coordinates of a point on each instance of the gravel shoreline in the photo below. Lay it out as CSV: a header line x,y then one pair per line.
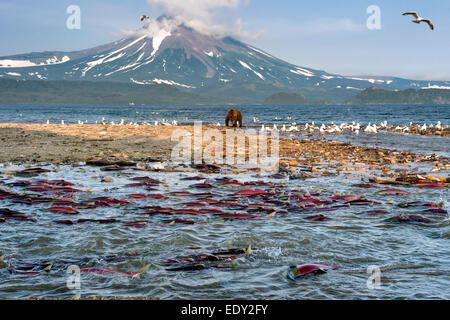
x,y
71,143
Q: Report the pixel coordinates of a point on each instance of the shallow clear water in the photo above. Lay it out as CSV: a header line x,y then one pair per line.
x,y
414,257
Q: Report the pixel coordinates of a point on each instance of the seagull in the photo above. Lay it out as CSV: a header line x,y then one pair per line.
x,y
419,19
370,128
144,17
322,128
423,128
337,128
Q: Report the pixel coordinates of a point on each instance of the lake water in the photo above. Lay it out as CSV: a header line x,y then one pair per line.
x,y
394,114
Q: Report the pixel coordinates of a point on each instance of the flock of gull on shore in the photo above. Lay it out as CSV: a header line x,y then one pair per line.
x,y
312,127
356,128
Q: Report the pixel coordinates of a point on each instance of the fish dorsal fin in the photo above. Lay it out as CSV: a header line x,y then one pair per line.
x,y
48,267
145,268
77,296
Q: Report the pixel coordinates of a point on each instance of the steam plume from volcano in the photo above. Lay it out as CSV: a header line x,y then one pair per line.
x,y
199,15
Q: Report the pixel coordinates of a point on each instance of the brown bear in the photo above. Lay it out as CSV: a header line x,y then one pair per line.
x,y
235,116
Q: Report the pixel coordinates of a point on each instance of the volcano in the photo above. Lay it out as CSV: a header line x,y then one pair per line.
x,y
188,60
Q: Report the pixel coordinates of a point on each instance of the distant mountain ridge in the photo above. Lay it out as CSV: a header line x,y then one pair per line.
x,y
376,95
283,98
99,92
194,62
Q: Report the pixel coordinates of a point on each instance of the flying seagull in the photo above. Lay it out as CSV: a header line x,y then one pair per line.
x,y
419,19
144,17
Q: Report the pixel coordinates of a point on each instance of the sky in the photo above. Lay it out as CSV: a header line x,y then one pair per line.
x,y
327,35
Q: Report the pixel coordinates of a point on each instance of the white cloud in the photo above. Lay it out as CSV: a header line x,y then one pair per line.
x,y
199,15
